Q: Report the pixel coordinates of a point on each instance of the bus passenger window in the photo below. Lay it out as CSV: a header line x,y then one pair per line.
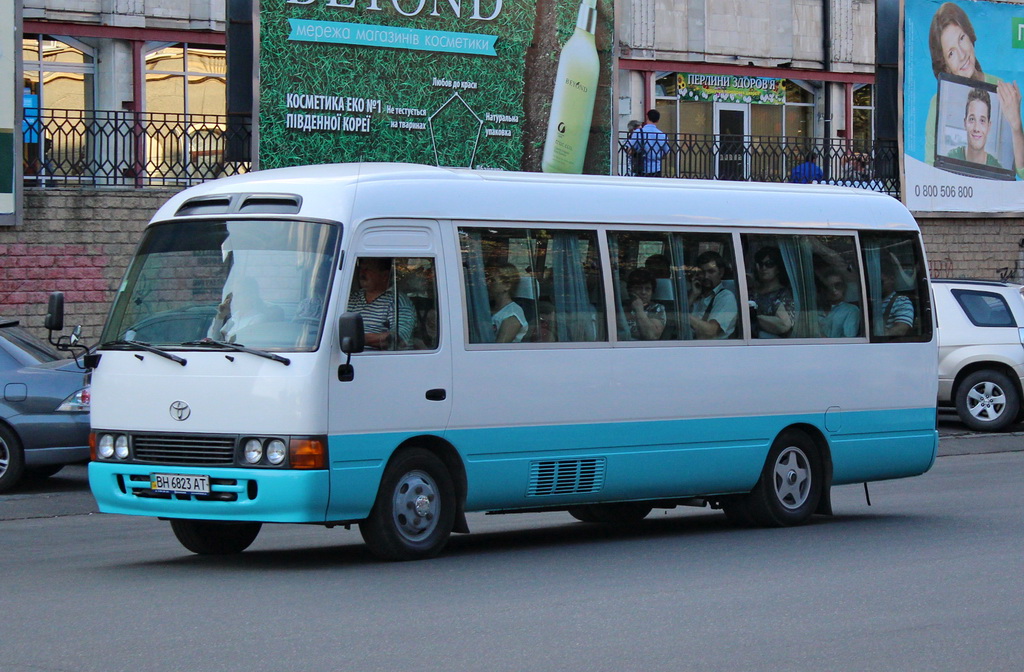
x,y
398,301
532,285
805,286
693,295
897,287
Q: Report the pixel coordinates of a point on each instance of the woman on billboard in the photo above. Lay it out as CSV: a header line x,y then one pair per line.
x,y
951,40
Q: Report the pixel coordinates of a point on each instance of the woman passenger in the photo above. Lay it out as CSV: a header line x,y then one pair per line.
x,y
646,319
772,300
507,317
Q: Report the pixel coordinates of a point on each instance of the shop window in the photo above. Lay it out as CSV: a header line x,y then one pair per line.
x,y
184,78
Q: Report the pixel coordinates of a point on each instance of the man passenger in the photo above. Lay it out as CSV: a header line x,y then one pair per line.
x,y
713,310
378,300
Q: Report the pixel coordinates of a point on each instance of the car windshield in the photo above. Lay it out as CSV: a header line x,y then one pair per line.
x,y
33,350
258,283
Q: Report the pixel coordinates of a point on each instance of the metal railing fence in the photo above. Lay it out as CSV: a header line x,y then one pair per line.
x,y
758,158
123,148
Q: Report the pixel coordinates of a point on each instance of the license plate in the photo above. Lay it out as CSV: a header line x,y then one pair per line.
x,y
187,484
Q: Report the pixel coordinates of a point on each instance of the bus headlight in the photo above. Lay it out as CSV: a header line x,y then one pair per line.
x,y
121,447
253,451
105,447
276,452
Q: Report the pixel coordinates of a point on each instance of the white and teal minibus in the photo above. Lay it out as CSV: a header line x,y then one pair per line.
x,y
396,346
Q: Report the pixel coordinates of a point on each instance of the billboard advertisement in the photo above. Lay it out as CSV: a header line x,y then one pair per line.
x,y
962,132
492,84
8,112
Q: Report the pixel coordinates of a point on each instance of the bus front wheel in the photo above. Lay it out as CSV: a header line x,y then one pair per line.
x,y
414,513
212,537
790,486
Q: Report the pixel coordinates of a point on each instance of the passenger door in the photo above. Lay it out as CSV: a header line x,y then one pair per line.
x,y
403,389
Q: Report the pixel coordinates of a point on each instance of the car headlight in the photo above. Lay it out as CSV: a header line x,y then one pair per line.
x,y
253,451
105,447
121,447
77,402
276,451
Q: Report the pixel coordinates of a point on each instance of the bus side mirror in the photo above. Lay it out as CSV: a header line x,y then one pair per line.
x,y
352,339
350,333
55,312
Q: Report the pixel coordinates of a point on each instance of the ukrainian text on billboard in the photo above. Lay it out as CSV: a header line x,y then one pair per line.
x,y
442,82
963,137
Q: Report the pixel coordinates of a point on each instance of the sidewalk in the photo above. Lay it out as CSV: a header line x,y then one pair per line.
x,y
963,442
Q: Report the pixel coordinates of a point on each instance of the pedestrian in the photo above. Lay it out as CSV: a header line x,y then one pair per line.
x,y
649,145
807,172
634,162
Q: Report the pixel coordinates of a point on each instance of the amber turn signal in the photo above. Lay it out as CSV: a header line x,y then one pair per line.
x,y
307,454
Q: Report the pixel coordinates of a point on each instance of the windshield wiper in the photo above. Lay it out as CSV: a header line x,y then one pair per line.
x,y
147,347
240,348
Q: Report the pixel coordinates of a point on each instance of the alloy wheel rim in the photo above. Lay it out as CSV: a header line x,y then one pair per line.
x,y
792,478
986,401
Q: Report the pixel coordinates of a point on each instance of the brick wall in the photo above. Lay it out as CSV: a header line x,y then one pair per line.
x,y
990,249
77,241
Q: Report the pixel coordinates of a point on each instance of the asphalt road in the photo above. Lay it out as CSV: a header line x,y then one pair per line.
x,y
929,577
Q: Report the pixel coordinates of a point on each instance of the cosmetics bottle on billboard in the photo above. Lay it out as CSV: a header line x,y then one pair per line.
x,y
572,105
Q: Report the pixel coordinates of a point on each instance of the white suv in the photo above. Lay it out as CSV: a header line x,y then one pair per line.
x,y
981,350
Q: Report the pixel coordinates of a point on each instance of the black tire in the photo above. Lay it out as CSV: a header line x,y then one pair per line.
x,y
213,537
12,459
790,486
621,513
414,513
987,401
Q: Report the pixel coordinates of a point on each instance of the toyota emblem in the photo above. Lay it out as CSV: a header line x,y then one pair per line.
x,y
180,411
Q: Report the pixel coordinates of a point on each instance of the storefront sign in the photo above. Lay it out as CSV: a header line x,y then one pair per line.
x,y
445,82
962,134
731,89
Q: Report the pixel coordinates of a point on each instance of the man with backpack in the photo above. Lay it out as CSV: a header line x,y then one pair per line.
x,y
648,145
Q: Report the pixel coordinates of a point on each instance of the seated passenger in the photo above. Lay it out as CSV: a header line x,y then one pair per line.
x,y
425,337
839,318
377,299
645,318
507,316
546,322
897,310
713,307
772,300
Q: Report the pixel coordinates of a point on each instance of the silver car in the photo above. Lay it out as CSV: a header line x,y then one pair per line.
x,y
981,350
44,412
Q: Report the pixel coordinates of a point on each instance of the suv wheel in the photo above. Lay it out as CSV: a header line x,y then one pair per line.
x,y
987,401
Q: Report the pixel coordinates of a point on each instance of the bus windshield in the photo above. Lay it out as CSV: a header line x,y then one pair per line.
x,y
258,283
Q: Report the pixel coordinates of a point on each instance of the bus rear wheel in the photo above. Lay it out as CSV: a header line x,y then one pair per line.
x,y
213,537
414,513
790,486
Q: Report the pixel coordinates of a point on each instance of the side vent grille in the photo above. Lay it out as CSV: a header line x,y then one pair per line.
x,y
205,205
566,477
279,205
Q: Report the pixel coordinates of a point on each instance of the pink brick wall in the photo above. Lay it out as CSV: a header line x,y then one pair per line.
x,y
77,241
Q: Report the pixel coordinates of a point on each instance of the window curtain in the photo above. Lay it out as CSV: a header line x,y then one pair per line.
x,y
480,329
681,287
873,262
575,316
797,257
620,313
